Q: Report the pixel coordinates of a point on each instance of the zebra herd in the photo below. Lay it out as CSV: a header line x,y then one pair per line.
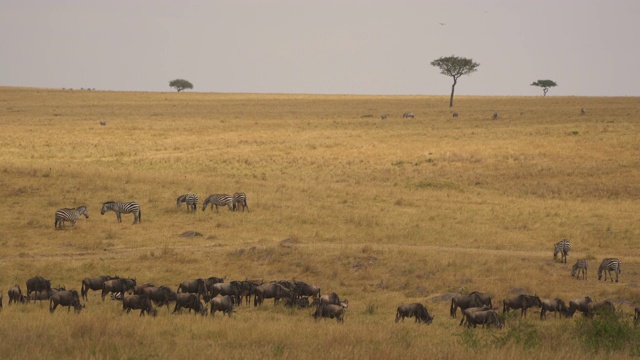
x,y
233,202
580,267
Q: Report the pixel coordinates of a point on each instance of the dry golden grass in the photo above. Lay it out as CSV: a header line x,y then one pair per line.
x,y
381,212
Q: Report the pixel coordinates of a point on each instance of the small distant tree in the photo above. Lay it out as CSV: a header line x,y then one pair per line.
x,y
180,84
545,85
455,67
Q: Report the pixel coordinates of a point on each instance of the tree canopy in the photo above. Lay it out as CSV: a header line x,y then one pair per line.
x,y
545,85
180,84
455,67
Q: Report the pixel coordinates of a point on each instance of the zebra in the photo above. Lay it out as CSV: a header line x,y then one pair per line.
x,y
563,246
240,198
218,200
580,267
384,116
408,115
71,215
123,208
608,265
190,199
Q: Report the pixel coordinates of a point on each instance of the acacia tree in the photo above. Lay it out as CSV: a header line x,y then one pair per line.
x,y
180,84
455,67
545,85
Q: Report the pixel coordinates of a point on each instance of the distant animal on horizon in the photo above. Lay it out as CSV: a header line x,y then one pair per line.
x,y
495,115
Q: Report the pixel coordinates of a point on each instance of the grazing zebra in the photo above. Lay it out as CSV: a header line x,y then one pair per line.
x,y
408,115
240,198
123,208
190,199
610,264
580,266
384,116
495,115
218,200
70,215
563,246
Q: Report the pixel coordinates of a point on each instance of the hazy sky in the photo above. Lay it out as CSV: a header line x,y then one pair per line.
x,y
323,46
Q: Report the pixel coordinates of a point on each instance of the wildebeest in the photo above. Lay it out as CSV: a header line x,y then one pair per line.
x,y
384,116
329,311
94,284
455,114
483,317
601,307
300,288
522,302
231,288
15,295
193,286
271,290
485,299
495,115
466,312
416,310
331,298
37,284
247,289
581,305
139,289
121,285
464,302
190,301
299,302
222,303
554,305
103,123
161,296
66,298
209,282
44,295
141,302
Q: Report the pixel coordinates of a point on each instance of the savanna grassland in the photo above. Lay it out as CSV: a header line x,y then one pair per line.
x,y
380,212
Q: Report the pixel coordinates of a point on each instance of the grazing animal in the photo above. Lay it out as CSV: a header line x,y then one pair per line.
x,y
416,310
455,114
332,298
138,302
193,286
190,199
466,312
189,301
44,295
384,116
300,288
408,115
554,305
601,307
522,302
330,311
68,298
117,286
485,299
583,111
38,284
222,303
240,198
71,215
562,247
15,295
482,317
299,302
464,302
103,123
608,265
580,267
218,200
161,296
581,305
139,289
271,290
231,289
495,115
123,208
95,283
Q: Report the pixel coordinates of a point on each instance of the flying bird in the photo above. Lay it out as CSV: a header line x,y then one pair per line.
x,y
442,23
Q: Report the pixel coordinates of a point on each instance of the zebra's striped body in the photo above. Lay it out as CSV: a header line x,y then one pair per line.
x,y
580,267
562,247
190,199
408,115
218,200
123,208
70,215
608,265
240,198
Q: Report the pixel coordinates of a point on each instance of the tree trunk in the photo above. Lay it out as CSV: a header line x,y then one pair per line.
x,y
453,88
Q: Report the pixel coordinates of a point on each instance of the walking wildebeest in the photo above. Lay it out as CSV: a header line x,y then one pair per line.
x,y
581,305
117,286
193,286
37,284
271,290
410,310
222,303
521,302
94,284
138,302
66,298
464,302
554,305
15,295
190,301
329,311
601,307
161,296
483,317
